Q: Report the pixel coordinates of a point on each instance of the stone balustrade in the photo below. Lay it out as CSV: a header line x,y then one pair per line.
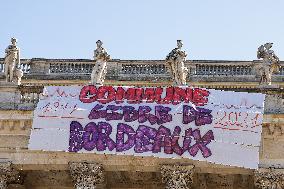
x,y
147,69
25,66
223,69
200,70
71,67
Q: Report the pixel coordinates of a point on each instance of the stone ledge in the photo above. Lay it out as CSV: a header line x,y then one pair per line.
x,y
40,160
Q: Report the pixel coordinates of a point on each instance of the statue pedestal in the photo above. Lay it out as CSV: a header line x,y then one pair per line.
x,y
10,95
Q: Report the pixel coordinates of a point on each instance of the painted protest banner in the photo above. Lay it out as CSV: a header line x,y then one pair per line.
x,y
222,127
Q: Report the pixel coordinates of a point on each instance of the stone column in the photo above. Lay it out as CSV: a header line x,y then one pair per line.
x,y
177,176
269,179
86,175
7,174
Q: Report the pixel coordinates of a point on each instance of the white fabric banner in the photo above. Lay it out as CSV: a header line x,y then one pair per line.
x,y
222,127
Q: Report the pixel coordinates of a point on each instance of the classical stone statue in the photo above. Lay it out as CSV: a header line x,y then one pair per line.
x,y
175,62
100,69
270,63
13,73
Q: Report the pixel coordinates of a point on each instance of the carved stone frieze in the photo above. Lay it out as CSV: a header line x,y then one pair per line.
x,y
177,176
86,175
14,126
269,179
7,174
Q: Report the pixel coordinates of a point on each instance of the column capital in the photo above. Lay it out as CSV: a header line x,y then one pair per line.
x,y
269,179
177,176
7,174
86,175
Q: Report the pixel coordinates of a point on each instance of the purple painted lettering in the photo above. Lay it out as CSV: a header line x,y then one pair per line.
x,y
75,139
122,130
201,116
201,143
144,139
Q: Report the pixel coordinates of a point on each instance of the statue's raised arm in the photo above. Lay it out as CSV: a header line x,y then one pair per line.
x,y
270,63
175,62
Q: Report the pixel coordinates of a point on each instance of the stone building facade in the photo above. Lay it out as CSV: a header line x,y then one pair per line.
x,y
22,168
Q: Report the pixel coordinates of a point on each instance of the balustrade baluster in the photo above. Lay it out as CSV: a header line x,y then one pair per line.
x,y
201,70
74,67
197,69
229,71
135,70
1,67
66,67
224,70
127,69
281,70
219,70
90,68
245,70
57,68
163,69
233,70
249,70
241,70
206,70
52,68
140,69
214,70
82,66
60,68
209,70
160,69
156,69
144,69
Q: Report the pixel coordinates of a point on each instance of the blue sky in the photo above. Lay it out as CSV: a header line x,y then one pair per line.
x,y
148,29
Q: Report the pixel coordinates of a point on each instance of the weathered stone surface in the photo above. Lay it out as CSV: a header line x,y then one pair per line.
x,y
177,176
46,170
86,175
48,179
274,104
7,174
269,179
